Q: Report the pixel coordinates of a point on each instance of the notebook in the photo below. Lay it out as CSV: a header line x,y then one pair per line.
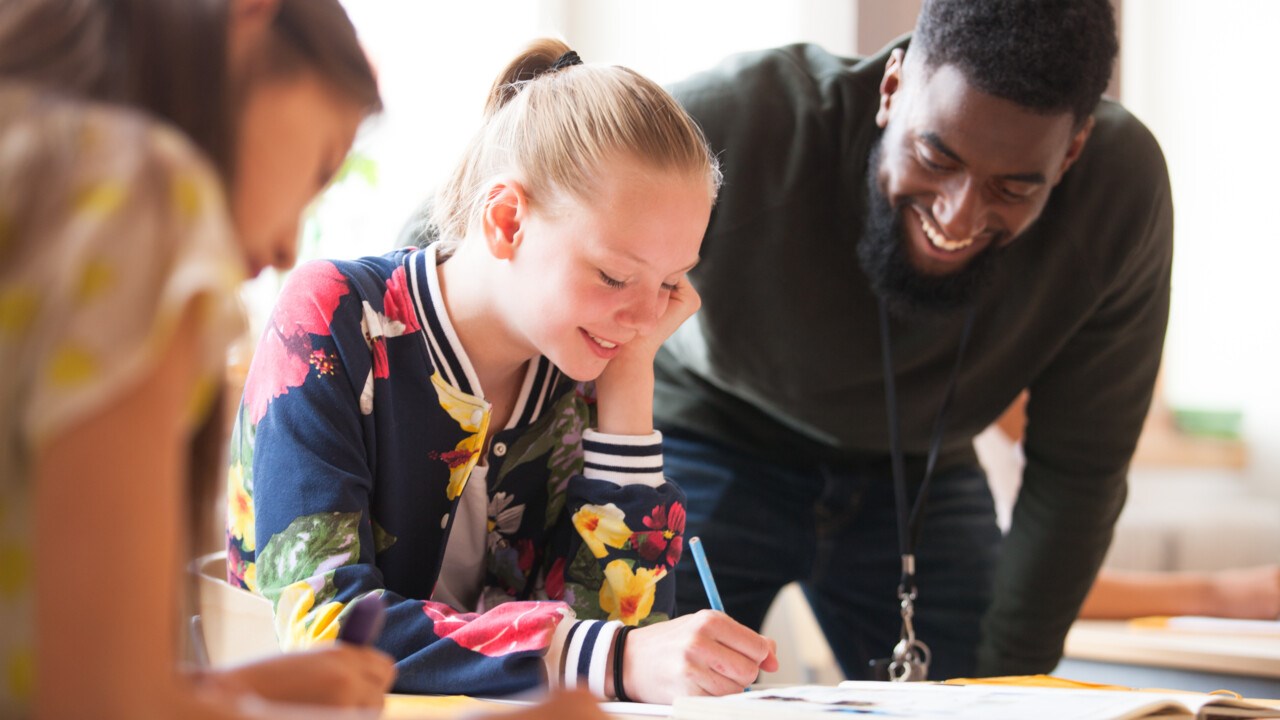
x,y
927,701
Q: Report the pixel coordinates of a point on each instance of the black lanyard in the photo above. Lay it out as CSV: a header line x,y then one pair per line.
x,y
910,659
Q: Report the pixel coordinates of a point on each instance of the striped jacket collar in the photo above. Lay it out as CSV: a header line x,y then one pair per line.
x,y
448,356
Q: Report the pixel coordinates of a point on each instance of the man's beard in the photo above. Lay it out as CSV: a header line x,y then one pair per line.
x,y
906,291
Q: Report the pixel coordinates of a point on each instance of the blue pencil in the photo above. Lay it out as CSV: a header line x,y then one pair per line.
x,y
704,572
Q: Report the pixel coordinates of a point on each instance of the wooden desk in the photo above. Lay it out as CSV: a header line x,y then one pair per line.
x,y
1115,652
419,707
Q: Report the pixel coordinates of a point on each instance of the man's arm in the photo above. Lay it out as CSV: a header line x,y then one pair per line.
x,y
1085,412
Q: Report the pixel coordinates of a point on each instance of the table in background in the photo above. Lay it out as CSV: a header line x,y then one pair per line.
x,y
1115,652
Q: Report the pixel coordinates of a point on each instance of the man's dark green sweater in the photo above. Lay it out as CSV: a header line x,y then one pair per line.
x,y
784,357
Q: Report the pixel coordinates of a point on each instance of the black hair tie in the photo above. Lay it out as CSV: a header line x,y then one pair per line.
x,y
569,59
619,643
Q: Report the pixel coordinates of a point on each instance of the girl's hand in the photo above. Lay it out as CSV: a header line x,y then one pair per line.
x,y
707,653
625,389
682,303
341,675
561,705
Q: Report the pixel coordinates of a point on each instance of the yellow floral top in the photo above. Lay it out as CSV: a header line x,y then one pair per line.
x,y
111,227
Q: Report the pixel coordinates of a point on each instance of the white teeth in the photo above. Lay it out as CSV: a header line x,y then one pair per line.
x,y
603,343
938,240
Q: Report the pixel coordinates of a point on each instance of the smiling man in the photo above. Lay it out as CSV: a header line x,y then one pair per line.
x,y
961,215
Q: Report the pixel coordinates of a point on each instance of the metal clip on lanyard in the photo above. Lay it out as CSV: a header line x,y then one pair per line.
x,y
910,659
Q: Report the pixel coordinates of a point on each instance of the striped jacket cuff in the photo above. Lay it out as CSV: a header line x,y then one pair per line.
x,y
623,459
579,655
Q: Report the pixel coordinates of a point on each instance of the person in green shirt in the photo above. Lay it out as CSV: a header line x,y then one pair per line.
x,y
959,214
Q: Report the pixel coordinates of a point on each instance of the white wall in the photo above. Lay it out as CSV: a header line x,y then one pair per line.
x,y
1203,78
670,39
1200,74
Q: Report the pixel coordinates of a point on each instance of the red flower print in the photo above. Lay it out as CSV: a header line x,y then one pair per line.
x,y
235,566
323,362
508,628
555,580
284,355
674,550
452,458
380,366
664,540
397,304
525,556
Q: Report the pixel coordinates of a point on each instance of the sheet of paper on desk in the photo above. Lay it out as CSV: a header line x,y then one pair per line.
x,y
636,708
1201,624
612,708
923,701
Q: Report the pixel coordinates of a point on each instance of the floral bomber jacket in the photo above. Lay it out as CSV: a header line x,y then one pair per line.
x,y
358,431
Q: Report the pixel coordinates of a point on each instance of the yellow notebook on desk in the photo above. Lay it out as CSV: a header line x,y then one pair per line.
x,y
927,701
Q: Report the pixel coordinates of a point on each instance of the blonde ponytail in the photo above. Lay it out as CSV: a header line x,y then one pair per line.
x,y
556,123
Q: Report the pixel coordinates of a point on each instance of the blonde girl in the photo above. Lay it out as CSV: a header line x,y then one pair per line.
x,y
465,429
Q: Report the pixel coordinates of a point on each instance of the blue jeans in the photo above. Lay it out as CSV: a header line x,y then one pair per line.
x,y
833,529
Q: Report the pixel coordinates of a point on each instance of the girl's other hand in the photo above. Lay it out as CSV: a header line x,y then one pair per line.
x,y
561,705
339,675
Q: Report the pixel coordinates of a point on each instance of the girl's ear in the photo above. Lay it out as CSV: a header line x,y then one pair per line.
x,y
505,208
249,21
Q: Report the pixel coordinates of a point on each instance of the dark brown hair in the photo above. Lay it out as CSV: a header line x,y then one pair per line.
x,y
317,35
167,58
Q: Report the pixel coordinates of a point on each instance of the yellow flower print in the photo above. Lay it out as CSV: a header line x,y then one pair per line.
x,y
6,233
97,278
469,412
472,415
18,307
100,199
15,569
203,395
250,577
72,366
627,595
240,521
462,459
185,192
601,525
298,627
20,674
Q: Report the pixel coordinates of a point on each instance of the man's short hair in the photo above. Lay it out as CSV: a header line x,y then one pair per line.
x,y
1045,55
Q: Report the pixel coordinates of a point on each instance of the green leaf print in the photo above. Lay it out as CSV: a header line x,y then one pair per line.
x,y
328,591
533,444
586,602
381,538
586,568
572,418
654,618
243,434
310,545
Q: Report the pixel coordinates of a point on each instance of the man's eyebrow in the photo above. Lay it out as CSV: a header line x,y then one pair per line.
x,y
932,138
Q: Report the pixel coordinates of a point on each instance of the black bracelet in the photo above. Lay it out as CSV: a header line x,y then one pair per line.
x,y
618,644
